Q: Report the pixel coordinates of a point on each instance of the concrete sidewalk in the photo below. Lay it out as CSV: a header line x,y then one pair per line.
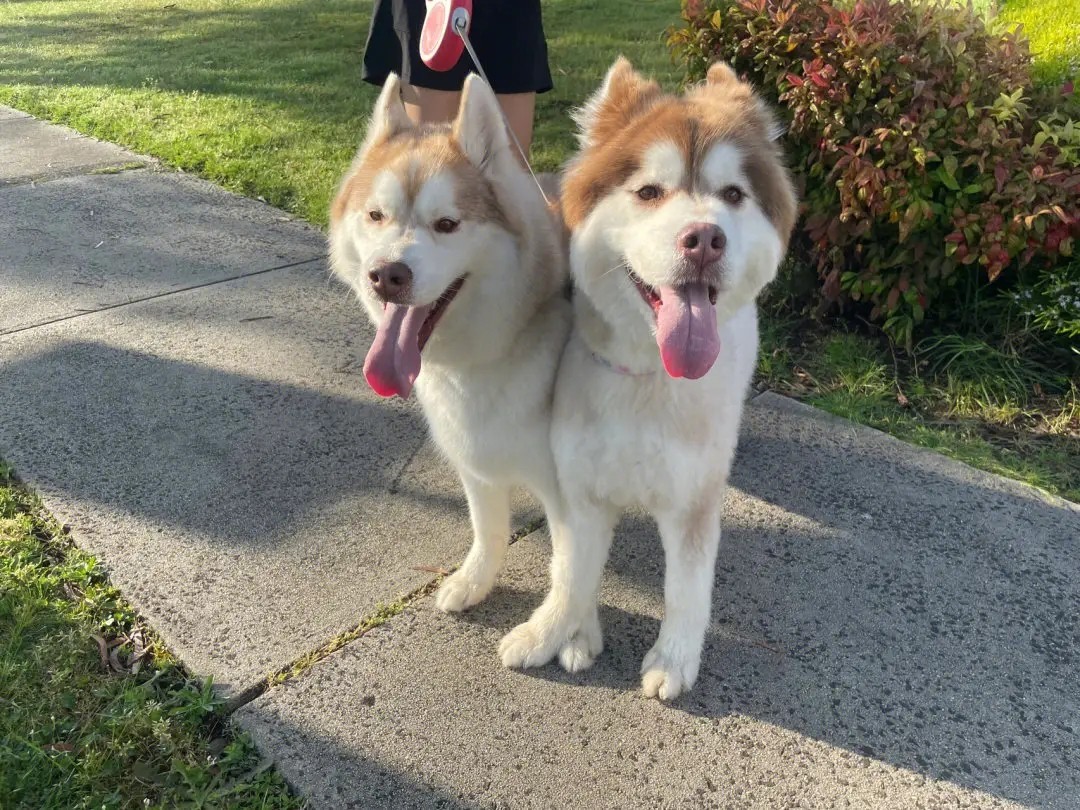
x,y
179,379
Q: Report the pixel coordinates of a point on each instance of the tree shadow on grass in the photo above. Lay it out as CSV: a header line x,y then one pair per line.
x,y
294,55
297,63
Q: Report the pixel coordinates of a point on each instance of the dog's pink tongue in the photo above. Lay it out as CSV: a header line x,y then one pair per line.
x,y
686,330
393,361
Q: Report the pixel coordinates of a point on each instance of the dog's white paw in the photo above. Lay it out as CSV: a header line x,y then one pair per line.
x,y
667,675
528,645
578,654
462,590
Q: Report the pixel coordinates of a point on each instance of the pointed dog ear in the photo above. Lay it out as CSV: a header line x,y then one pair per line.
x,y
388,118
480,128
623,94
720,73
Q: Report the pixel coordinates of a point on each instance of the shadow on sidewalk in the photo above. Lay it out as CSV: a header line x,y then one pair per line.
x,y
336,777
889,602
233,457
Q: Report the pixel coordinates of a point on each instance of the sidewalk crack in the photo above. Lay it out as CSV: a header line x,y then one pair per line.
x,y
378,617
155,296
49,175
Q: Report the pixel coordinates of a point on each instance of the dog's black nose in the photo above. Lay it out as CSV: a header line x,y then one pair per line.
x,y
701,242
392,282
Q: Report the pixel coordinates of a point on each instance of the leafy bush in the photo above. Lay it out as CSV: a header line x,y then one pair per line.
x,y
911,122
1051,303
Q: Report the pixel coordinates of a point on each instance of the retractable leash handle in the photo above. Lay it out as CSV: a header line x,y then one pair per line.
x,y
444,36
441,44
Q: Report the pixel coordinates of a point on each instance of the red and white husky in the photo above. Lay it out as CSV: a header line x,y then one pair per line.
x,y
679,211
461,266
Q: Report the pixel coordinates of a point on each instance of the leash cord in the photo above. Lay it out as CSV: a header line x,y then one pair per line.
x,y
461,28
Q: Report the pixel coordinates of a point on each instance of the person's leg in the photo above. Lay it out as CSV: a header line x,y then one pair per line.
x,y
433,106
519,109
426,106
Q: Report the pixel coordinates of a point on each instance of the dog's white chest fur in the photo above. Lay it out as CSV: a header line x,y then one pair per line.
x,y
647,439
492,419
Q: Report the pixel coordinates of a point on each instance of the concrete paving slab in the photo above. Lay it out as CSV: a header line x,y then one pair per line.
x,y
10,114
220,452
36,150
891,629
89,242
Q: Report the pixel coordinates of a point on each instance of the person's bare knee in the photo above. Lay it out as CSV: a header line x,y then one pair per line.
x,y
427,106
519,109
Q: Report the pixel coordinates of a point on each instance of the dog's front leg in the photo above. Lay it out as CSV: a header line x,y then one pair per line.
x,y
489,510
690,539
567,621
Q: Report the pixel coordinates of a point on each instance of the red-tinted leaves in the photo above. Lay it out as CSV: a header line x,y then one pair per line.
x,y
913,166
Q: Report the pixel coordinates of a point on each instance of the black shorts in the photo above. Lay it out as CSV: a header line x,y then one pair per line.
x,y
508,36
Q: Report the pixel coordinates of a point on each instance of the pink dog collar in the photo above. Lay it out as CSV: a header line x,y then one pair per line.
x,y
617,368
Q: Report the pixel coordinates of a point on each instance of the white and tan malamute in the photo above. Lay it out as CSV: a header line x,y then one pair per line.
x,y
460,264
679,210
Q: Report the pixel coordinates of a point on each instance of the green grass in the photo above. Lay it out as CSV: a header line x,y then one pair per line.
x,y
264,96
87,729
1053,29
961,396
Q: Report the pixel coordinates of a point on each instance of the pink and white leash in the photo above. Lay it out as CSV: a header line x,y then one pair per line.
x,y
440,52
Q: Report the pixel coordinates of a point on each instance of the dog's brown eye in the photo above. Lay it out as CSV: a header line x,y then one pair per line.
x,y
648,193
733,195
446,225
375,215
